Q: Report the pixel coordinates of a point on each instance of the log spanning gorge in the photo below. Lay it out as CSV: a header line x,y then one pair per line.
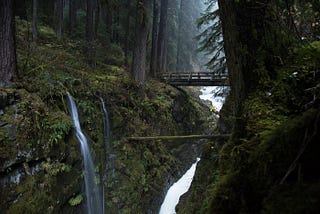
x,y
95,192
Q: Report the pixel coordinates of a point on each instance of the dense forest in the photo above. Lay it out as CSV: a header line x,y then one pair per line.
x,y
106,59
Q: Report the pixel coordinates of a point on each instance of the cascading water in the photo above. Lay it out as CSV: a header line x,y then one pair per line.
x,y
178,189
94,196
108,140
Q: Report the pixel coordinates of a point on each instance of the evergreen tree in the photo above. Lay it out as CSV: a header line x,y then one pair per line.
x,y
34,21
127,31
140,50
153,60
59,17
90,34
210,39
172,28
162,37
186,57
73,7
8,72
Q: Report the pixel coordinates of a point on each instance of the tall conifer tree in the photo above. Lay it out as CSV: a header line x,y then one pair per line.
x,y
8,72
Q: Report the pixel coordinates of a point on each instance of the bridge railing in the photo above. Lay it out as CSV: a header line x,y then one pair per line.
x,y
195,79
192,75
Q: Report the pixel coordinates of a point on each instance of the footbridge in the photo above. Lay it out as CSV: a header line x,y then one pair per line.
x,y
195,79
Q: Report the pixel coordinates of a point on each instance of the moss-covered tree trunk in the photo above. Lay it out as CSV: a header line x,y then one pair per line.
x,y
243,26
7,44
153,60
140,51
161,53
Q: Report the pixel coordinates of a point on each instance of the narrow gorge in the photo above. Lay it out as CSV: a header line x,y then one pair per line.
x,y
147,107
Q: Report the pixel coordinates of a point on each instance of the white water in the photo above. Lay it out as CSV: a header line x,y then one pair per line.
x,y
94,196
178,189
210,93
110,161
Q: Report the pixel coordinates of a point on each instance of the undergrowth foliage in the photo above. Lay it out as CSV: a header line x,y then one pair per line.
x,y
45,150
270,163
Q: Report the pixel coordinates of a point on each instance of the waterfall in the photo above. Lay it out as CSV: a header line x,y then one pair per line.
x,y
178,189
108,141
94,197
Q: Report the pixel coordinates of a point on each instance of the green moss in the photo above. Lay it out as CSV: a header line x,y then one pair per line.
x,y
279,137
76,200
44,130
293,199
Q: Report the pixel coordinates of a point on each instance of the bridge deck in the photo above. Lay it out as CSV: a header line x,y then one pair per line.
x,y
195,79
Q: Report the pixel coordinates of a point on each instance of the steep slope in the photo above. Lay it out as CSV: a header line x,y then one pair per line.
x,y
41,168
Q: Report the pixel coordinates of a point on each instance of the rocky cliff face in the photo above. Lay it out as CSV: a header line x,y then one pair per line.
x,y
41,165
40,162
39,172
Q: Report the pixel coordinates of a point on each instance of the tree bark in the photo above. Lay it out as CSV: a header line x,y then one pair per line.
x,y
153,60
161,37
243,27
116,24
8,72
97,18
34,21
127,29
107,18
140,51
59,18
178,60
90,35
72,16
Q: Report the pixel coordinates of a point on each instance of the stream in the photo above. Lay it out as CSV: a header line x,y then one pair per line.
x,y
94,197
178,189
216,96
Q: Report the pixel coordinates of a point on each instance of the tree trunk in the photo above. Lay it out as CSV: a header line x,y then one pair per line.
x,y
153,60
97,18
59,17
116,25
140,51
179,43
165,52
90,35
162,36
243,27
106,17
7,44
34,21
72,16
127,29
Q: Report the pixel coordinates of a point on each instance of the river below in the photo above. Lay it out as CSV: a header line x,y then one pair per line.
x,y
177,190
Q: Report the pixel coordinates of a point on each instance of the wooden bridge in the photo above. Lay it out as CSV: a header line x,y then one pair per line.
x,y
195,79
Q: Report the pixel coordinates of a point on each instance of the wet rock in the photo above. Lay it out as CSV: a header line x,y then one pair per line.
x,y
3,99
17,96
